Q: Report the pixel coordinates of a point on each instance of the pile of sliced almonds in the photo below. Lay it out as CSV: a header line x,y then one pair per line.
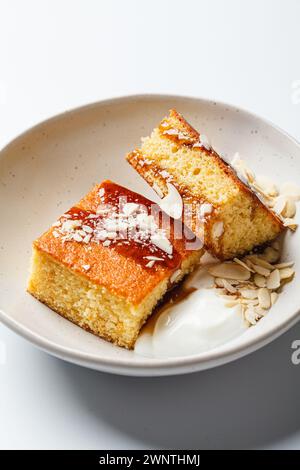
x,y
253,282
282,201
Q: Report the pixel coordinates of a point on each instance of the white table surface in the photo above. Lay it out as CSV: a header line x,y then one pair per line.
x,y
58,54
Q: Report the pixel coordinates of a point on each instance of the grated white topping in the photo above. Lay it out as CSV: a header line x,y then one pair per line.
x,y
132,223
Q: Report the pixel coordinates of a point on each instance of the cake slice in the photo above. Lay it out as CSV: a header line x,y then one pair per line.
x,y
108,261
219,207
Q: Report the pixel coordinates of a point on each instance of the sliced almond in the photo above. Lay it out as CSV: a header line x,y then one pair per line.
x,y
267,186
260,312
219,282
271,255
249,293
260,270
234,282
290,223
241,263
261,262
264,298
250,315
273,281
286,273
288,264
289,210
229,287
274,297
259,280
229,271
249,264
252,302
280,203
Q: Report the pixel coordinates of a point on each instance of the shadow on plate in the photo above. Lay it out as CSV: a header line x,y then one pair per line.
x,y
249,403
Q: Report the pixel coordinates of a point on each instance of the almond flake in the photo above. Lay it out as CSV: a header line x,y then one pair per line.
x,y
250,315
288,264
259,311
280,203
219,282
267,186
241,263
150,264
274,297
260,270
162,242
259,280
249,293
229,271
153,258
273,281
229,287
264,298
261,262
252,302
286,273
289,210
290,223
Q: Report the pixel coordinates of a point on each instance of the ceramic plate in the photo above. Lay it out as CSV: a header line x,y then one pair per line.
x,y
48,168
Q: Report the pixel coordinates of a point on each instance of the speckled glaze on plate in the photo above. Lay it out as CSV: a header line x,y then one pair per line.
x,y
50,166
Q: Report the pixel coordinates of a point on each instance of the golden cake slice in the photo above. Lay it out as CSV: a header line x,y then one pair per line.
x,y
219,208
108,261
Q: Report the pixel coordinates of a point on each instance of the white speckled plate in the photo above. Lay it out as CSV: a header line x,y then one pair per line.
x,y
48,168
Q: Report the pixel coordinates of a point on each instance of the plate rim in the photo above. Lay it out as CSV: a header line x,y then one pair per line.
x,y
154,366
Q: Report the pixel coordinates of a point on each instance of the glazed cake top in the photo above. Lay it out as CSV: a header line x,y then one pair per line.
x,y
118,239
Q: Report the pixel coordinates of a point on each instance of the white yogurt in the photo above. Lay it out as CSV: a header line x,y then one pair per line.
x,y
198,323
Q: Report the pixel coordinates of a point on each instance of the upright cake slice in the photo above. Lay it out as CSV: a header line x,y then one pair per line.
x,y
106,263
219,207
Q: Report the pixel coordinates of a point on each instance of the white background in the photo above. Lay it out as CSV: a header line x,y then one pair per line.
x,y
58,54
